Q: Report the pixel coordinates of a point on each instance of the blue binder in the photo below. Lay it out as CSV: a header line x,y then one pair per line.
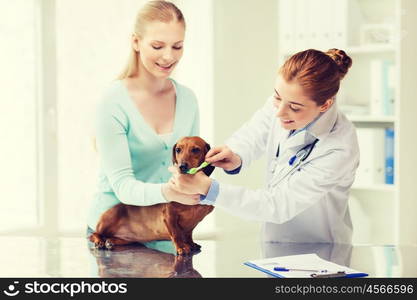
x,y
389,156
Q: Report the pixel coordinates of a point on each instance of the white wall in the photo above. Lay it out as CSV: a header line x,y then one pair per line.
x,y
93,44
18,100
196,67
245,66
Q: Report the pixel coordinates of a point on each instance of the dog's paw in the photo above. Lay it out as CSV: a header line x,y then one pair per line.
x,y
184,250
99,245
97,241
109,244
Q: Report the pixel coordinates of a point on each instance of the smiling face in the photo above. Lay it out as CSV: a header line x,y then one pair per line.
x,y
295,109
160,48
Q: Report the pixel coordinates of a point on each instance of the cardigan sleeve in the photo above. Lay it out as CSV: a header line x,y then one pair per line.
x,y
111,134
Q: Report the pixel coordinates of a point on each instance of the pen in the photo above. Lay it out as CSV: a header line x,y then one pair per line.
x,y
282,269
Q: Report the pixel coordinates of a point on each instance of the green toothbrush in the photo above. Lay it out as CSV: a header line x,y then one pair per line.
x,y
195,170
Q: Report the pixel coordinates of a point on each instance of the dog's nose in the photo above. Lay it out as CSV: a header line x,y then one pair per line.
x,y
184,168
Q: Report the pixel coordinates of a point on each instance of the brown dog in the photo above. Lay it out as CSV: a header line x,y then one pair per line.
x,y
124,224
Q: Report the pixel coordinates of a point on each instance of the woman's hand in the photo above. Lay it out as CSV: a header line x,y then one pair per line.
x,y
224,158
172,195
198,183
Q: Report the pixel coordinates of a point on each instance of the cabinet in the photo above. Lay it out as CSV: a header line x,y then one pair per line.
x,y
377,94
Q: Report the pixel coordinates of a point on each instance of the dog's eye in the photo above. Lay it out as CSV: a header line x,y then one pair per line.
x,y
178,150
195,150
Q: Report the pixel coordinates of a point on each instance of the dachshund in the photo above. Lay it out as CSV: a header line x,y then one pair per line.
x,y
125,224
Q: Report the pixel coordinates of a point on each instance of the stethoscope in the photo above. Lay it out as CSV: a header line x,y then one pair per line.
x,y
295,161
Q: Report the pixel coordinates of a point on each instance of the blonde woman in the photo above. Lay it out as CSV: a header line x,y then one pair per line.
x,y
142,115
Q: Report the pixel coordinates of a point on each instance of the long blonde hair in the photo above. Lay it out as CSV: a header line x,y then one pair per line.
x,y
162,11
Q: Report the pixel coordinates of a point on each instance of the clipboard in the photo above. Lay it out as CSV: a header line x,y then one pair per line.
x,y
304,266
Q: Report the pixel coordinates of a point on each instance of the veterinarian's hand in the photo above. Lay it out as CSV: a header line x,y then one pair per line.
x,y
172,195
199,183
224,158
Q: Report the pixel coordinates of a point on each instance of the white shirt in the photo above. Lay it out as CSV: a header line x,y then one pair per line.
x,y
310,204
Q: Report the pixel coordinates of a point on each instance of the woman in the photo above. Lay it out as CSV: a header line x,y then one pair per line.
x,y
312,155
142,115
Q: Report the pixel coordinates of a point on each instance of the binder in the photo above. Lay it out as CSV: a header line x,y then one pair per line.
x,y
339,23
377,87
382,93
286,12
372,162
389,88
302,17
303,266
320,25
389,156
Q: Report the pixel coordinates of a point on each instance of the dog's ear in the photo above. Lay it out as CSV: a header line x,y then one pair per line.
x,y
174,157
209,169
207,147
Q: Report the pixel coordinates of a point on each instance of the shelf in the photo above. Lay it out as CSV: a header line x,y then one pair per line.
x,y
375,187
370,49
371,119
365,49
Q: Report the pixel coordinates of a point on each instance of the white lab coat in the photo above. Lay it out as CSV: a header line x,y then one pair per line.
x,y
310,204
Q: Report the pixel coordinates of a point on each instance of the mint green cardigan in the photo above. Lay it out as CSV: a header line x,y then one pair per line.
x,y
134,160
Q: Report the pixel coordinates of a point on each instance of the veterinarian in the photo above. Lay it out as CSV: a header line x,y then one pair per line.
x,y
142,115
312,155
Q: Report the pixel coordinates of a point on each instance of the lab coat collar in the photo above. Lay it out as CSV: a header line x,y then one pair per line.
x,y
324,125
295,140
318,130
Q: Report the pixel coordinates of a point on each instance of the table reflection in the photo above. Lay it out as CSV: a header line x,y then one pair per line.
x,y
225,258
155,260
337,253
